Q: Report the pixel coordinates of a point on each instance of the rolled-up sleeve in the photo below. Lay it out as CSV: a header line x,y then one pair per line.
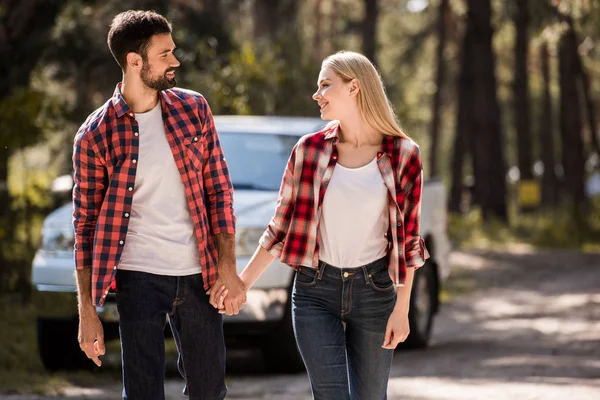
x,y
274,236
90,181
217,183
414,246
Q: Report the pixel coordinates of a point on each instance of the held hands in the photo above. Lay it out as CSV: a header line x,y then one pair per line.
x,y
397,329
91,336
228,294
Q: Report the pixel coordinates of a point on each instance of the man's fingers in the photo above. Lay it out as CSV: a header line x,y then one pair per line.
x,y
228,307
99,348
387,339
222,299
214,292
90,352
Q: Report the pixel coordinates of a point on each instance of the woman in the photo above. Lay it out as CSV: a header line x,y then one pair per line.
x,y
347,220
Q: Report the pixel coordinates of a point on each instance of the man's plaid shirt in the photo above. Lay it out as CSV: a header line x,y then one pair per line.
x,y
105,160
292,234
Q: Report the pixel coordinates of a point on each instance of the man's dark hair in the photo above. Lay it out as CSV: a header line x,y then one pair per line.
x,y
131,31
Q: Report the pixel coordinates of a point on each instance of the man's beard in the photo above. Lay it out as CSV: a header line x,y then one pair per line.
x,y
160,83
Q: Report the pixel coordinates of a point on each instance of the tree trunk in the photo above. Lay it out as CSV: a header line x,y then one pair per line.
x,y
521,90
462,135
437,96
570,121
318,38
487,144
546,135
369,30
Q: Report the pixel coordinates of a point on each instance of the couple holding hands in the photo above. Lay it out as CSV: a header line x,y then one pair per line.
x,y
153,210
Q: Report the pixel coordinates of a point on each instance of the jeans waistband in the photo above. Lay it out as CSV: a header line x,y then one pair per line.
x,y
367,269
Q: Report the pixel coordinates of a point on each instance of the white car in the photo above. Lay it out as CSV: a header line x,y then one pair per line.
x,y
257,149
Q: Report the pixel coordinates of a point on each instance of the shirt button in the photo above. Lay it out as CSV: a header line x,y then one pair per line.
x,y
126,215
399,224
136,134
134,161
130,188
121,242
196,139
115,267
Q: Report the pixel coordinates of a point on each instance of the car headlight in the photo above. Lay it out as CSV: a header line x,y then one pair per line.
x,y
57,240
247,241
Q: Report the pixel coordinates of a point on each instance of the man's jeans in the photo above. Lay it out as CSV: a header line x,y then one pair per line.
x,y
340,317
144,301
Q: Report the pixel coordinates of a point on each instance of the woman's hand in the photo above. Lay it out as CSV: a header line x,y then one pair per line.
x,y
397,329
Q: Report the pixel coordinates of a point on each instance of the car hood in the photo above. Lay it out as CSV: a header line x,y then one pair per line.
x,y
252,209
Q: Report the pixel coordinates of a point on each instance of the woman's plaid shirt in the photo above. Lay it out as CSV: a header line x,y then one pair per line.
x,y
105,160
292,234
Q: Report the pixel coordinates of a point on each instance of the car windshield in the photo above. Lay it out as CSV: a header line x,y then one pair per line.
x,y
256,161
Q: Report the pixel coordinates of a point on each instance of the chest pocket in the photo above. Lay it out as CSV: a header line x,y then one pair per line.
x,y
195,153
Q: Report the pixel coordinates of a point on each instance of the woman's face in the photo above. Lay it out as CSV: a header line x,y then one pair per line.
x,y
334,96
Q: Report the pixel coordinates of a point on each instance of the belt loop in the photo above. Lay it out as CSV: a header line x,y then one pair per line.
x,y
322,265
366,273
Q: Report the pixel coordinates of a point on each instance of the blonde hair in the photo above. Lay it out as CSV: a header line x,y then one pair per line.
x,y
373,103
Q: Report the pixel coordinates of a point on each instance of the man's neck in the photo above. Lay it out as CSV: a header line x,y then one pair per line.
x,y
138,96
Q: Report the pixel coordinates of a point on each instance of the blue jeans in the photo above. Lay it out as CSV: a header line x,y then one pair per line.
x,y
340,317
145,301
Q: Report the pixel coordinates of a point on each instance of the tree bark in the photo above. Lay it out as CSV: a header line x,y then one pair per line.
x,y
462,134
521,90
570,121
546,135
487,144
437,96
369,30
318,37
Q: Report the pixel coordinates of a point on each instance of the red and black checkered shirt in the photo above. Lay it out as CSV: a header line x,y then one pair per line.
x,y
292,234
105,160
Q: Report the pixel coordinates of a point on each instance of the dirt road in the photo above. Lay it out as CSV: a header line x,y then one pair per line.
x,y
527,327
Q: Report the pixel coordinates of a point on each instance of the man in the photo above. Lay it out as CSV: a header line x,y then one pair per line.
x,y
153,209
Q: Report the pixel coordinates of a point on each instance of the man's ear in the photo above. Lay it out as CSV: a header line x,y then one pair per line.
x,y
354,87
134,60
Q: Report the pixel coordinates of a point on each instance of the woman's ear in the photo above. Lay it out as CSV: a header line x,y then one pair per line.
x,y
354,87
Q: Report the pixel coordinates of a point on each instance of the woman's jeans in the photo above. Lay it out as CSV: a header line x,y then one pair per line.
x,y
145,301
340,317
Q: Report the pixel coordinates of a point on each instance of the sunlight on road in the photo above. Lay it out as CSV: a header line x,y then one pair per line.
x,y
478,389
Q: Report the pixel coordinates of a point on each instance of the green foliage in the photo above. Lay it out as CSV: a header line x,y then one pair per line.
x,y
19,115
564,227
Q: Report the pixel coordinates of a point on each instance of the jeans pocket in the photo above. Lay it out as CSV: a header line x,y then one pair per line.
x,y
306,276
381,280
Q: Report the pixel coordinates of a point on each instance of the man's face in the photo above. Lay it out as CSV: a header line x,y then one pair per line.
x,y
158,70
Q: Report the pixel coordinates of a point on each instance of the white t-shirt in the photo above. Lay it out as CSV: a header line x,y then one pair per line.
x,y
160,238
354,217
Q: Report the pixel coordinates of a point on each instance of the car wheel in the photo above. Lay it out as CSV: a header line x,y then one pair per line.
x,y
58,346
422,307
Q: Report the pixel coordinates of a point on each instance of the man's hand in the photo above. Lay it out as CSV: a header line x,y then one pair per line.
x,y
228,293
91,336
397,329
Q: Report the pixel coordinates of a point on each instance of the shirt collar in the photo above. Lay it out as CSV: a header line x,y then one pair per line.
x,y
387,144
121,106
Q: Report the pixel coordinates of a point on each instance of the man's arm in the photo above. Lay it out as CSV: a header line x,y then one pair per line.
x,y
91,333
88,194
219,197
